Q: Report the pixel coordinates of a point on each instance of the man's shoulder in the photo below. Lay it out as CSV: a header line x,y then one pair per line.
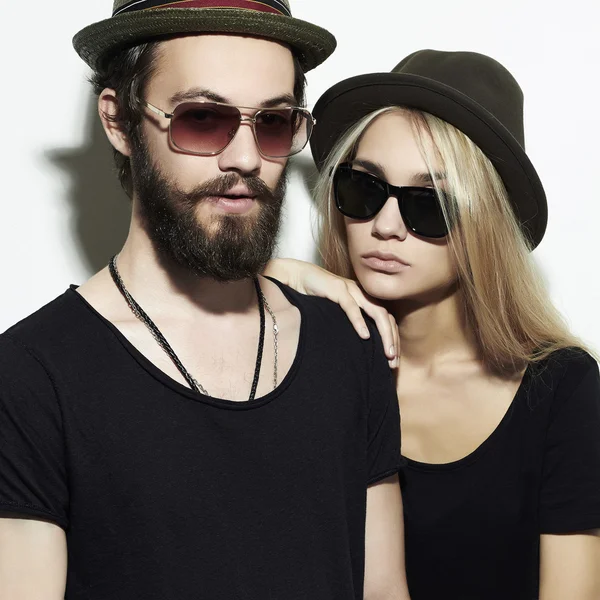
x,y
47,328
328,314
327,321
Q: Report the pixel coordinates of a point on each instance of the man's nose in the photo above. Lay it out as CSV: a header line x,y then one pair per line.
x,y
242,155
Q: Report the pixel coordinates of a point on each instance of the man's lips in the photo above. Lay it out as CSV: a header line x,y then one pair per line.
x,y
236,201
385,262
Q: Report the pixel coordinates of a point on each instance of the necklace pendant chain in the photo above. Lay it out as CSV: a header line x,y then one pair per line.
x,y
139,313
275,340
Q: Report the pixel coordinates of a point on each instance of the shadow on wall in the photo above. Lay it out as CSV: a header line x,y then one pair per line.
x,y
101,210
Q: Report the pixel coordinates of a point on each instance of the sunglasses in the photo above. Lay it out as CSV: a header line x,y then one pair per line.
x,y
361,196
207,128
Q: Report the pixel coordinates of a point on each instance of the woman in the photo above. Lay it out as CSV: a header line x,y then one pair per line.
x,y
430,202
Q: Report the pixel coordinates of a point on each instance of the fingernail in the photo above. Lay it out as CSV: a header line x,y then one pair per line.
x,y
364,332
392,351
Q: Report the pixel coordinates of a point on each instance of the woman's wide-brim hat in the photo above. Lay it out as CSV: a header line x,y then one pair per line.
x,y
471,91
137,21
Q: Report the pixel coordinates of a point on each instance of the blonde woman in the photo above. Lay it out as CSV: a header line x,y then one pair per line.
x,y
431,204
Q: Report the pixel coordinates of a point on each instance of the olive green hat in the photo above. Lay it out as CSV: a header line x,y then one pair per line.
x,y
471,91
137,21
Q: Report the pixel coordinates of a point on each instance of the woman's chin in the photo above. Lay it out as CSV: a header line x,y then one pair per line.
x,y
384,286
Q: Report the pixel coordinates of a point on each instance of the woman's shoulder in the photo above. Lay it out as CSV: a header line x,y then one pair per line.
x,y
570,361
563,375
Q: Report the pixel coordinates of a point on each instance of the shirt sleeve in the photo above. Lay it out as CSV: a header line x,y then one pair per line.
x,y
384,417
33,480
570,493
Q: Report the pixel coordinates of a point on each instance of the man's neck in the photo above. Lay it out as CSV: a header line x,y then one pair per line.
x,y
165,287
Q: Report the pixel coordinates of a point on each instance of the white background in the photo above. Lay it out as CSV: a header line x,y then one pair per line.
x,y
63,214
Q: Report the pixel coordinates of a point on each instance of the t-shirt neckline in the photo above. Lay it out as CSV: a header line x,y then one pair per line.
x,y
484,446
183,390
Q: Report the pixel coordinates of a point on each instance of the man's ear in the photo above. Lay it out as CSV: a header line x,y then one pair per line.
x,y
107,109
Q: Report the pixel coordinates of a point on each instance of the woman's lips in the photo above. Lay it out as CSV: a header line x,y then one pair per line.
x,y
384,263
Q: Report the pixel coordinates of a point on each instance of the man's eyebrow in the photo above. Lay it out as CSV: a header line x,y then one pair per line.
x,y
206,94
373,167
285,99
196,94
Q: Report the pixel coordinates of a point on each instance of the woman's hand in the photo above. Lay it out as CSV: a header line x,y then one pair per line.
x,y
312,280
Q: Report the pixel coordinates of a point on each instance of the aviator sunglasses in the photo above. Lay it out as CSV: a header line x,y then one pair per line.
x,y
207,128
361,196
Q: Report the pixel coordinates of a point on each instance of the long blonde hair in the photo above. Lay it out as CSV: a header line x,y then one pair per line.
x,y
505,302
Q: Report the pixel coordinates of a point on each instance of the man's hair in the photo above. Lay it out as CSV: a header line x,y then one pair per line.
x,y
128,73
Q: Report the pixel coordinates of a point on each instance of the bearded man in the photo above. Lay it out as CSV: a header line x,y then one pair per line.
x,y
180,427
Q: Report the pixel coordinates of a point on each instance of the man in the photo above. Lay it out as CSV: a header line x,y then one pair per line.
x,y
179,427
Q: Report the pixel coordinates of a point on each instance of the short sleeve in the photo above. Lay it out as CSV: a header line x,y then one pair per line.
x,y
570,493
384,417
33,480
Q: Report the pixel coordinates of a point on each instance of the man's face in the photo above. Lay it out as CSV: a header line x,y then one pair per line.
x,y
217,216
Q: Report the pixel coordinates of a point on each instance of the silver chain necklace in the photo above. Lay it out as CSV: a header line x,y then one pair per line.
x,y
139,313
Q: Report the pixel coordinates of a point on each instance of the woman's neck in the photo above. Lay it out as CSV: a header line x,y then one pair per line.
x,y
435,332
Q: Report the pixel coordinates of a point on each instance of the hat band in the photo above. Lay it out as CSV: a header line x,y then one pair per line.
x,y
266,6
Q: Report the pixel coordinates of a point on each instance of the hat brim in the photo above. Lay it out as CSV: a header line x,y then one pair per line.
x,y
349,101
312,44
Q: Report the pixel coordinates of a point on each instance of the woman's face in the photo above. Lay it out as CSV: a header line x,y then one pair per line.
x,y
390,261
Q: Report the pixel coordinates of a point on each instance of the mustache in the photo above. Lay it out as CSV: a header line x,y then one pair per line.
x,y
219,186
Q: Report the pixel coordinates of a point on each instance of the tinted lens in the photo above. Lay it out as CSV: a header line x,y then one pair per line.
x,y
422,212
358,195
282,133
204,128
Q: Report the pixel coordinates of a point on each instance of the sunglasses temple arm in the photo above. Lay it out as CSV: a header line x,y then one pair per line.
x,y
160,113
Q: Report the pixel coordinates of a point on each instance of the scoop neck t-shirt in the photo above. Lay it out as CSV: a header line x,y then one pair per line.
x,y
473,526
166,494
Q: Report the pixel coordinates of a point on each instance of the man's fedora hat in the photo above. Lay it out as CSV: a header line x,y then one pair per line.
x,y
137,21
471,91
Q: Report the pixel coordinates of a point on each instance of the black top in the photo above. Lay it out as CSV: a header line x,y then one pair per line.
x,y
169,495
473,526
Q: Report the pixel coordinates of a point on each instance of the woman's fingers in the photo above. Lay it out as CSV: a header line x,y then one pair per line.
x,y
381,318
351,307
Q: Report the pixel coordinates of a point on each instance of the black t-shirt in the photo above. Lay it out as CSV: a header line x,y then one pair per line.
x,y
166,494
473,526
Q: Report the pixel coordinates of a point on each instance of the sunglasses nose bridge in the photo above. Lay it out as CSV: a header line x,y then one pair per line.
x,y
389,221
250,122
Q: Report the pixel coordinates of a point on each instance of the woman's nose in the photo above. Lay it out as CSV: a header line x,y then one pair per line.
x,y
388,222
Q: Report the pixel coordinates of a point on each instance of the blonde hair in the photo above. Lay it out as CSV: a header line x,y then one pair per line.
x,y
504,299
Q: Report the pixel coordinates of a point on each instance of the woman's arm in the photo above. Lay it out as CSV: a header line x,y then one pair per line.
x,y
311,280
570,566
385,574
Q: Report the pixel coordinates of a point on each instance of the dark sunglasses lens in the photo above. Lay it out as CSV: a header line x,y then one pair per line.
x,y
422,212
282,133
358,195
204,128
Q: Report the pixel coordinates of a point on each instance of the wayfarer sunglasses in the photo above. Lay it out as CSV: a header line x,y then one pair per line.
x,y
207,128
360,195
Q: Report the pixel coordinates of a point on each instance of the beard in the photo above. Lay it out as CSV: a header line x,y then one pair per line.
x,y
227,247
